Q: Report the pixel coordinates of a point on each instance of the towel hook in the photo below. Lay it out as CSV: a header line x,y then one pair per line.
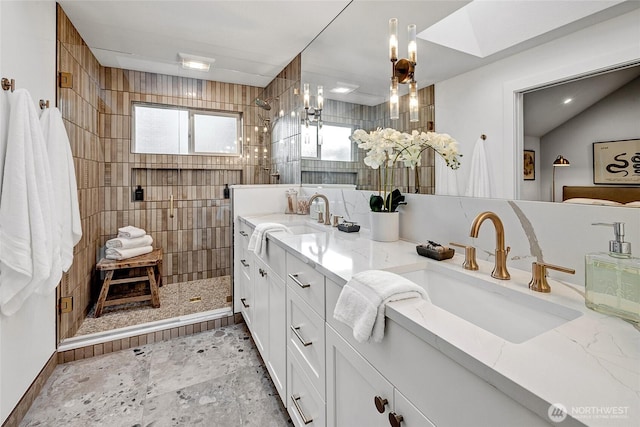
x,y
483,137
8,84
44,104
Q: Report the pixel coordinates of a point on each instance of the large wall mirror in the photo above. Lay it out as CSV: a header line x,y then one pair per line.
x,y
350,60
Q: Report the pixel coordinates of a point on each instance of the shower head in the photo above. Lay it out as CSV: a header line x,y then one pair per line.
x,y
264,103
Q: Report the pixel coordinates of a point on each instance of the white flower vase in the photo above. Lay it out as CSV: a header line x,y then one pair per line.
x,y
385,226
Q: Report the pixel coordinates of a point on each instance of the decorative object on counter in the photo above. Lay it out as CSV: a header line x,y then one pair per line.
x,y
138,194
303,205
257,242
292,201
362,301
385,149
349,227
538,281
612,279
435,251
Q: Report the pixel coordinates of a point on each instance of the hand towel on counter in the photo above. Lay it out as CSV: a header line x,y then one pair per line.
x,y
259,235
26,214
479,184
130,232
120,254
64,183
137,242
362,301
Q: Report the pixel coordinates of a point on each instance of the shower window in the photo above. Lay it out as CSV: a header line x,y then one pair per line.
x,y
165,129
336,143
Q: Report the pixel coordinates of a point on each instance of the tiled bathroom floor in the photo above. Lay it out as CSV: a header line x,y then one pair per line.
x,y
175,300
210,379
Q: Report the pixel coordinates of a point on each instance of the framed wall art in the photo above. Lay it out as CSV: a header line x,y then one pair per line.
x,y
529,166
616,162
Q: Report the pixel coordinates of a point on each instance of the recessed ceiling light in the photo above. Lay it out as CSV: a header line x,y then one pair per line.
x,y
193,62
344,88
568,100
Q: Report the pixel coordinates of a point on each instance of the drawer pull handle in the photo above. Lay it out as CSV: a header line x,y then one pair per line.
x,y
380,403
242,300
244,263
294,277
395,420
299,409
243,233
262,272
296,331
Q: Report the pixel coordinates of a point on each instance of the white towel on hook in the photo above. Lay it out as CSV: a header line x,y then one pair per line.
x,y
259,235
130,232
26,248
363,299
446,178
120,254
479,184
65,187
122,243
5,110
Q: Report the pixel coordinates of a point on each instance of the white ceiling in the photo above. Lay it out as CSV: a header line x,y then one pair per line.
x,y
252,41
545,109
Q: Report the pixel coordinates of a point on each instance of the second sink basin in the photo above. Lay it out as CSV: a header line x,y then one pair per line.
x,y
509,314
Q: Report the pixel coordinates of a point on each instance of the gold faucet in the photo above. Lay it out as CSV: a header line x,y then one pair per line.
x,y
500,268
327,220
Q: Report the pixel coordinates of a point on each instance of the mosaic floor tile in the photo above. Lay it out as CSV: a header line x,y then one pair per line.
x,y
213,378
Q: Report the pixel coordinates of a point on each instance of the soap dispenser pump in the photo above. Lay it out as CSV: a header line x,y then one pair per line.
x,y
612,280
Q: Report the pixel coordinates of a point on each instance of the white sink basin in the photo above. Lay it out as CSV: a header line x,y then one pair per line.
x,y
507,313
307,227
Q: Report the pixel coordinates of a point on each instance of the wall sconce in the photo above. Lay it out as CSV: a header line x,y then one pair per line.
x,y
312,113
559,161
402,71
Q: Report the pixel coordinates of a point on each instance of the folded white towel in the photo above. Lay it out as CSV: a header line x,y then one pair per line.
x,y
137,242
259,235
119,254
130,232
362,302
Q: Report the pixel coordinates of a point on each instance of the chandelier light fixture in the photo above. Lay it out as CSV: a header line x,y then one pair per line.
x,y
402,71
312,113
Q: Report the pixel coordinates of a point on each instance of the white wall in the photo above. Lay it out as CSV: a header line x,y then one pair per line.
x,y
28,55
483,101
614,118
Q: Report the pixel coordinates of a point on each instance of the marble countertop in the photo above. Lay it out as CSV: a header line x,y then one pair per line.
x,y
590,365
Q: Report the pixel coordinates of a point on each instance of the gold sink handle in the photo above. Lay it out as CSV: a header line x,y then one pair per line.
x,y
538,281
469,256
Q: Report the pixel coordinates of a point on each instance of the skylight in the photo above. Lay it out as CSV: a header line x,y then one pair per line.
x,y
484,27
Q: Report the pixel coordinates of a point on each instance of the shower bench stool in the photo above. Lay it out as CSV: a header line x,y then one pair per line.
x,y
151,263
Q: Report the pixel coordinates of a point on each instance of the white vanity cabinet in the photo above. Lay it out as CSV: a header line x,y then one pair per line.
x,y
269,313
305,340
358,395
243,272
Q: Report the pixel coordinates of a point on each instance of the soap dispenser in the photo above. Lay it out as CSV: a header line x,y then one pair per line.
x,y
612,280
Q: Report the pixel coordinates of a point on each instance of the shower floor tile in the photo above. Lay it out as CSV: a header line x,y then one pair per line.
x,y
213,378
176,299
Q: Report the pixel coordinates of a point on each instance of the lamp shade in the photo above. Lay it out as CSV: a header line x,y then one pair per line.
x,y
560,161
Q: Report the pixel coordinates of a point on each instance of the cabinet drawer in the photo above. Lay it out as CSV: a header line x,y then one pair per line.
x,y
274,256
305,338
304,404
306,282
